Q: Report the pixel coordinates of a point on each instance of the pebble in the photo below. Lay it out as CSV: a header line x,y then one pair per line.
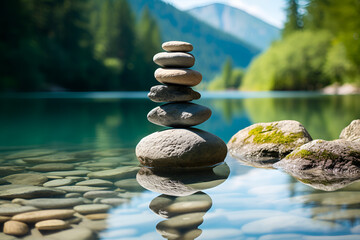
x,y
181,148
52,224
50,203
23,191
122,172
179,114
100,194
95,183
340,215
4,219
77,233
80,189
15,228
47,167
69,173
172,93
177,46
174,59
97,216
73,195
26,179
92,208
129,184
7,170
36,216
30,153
181,76
58,182
102,164
13,209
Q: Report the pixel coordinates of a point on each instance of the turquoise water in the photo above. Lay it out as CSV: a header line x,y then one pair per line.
x,y
246,202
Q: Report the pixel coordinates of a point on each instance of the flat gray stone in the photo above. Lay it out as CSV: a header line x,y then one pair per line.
x,y
36,216
180,76
114,201
174,59
30,153
69,173
181,148
80,189
26,179
15,228
47,167
24,191
172,93
58,182
117,173
95,183
183,221
100,194
351,132
92,208
52,224
129,184
179,114
13,209
50,203
266,143
8,170
177,46
291,224
78,233
54,158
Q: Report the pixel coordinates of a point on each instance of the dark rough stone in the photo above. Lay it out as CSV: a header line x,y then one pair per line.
x,y
172,93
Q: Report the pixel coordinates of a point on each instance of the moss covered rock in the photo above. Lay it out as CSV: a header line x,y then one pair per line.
x,y
264,143
326,165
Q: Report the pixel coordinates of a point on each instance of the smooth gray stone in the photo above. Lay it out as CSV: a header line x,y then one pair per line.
x,y
80,189
183,221
77,233
114,201
13,209
177,46
58,182
50,203
24,191
69,173
95,183
181,76
30,153
47,167
26,179
179,115
181,148
92,208
54,158
172,93
174,59
129,184
100,194
351,132
117,173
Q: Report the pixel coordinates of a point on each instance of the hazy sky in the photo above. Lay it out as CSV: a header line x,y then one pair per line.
x,y
271,11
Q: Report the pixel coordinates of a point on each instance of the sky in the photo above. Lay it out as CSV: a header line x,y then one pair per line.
x,y
271,11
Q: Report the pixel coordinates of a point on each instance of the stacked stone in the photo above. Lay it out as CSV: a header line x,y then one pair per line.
x,y
181,146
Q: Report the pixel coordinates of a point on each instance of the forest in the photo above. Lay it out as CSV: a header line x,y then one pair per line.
x,y
320,45
83,45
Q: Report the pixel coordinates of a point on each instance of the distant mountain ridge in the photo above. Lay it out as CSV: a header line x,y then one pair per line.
x,y
211,46
238,23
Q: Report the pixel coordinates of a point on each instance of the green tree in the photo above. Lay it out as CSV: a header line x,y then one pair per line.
x,y
294,18
230,78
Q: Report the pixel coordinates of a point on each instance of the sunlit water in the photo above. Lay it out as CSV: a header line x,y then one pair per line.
x,y
247,203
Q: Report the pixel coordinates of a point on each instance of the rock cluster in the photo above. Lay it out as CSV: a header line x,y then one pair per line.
x,y
181,146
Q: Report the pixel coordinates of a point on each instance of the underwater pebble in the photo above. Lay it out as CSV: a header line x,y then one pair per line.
x,y
15,228
50,203
47,167
100,194
36,216
92,208
58,182
122,172
80,189
69,173
26,179
23,191
52,224
95,183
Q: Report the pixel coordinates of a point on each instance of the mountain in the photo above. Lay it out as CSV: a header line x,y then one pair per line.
x,y
238,23
211,46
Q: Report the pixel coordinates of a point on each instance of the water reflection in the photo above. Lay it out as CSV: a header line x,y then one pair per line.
x,y
181,203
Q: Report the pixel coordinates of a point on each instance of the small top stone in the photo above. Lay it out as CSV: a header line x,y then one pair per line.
x,y
177,46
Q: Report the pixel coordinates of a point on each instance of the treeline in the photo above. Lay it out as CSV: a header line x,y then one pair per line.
x,y
76,45
320,46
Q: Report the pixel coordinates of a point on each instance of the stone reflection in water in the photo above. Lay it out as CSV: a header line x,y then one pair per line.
x,y
182,203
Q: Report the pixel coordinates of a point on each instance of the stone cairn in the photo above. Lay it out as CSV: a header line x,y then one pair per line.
x,y
181,146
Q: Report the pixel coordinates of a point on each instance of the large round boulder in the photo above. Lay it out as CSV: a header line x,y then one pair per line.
x,y
267,142
181,148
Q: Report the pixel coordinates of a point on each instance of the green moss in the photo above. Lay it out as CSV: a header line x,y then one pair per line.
x,y
233,140
328,155
301,154
271,134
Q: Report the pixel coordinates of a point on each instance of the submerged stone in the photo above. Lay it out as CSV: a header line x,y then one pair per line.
x,y
181,148
24,191
267,142
36,216
330,161
15,228
26,179
172,93
179,114
50,203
